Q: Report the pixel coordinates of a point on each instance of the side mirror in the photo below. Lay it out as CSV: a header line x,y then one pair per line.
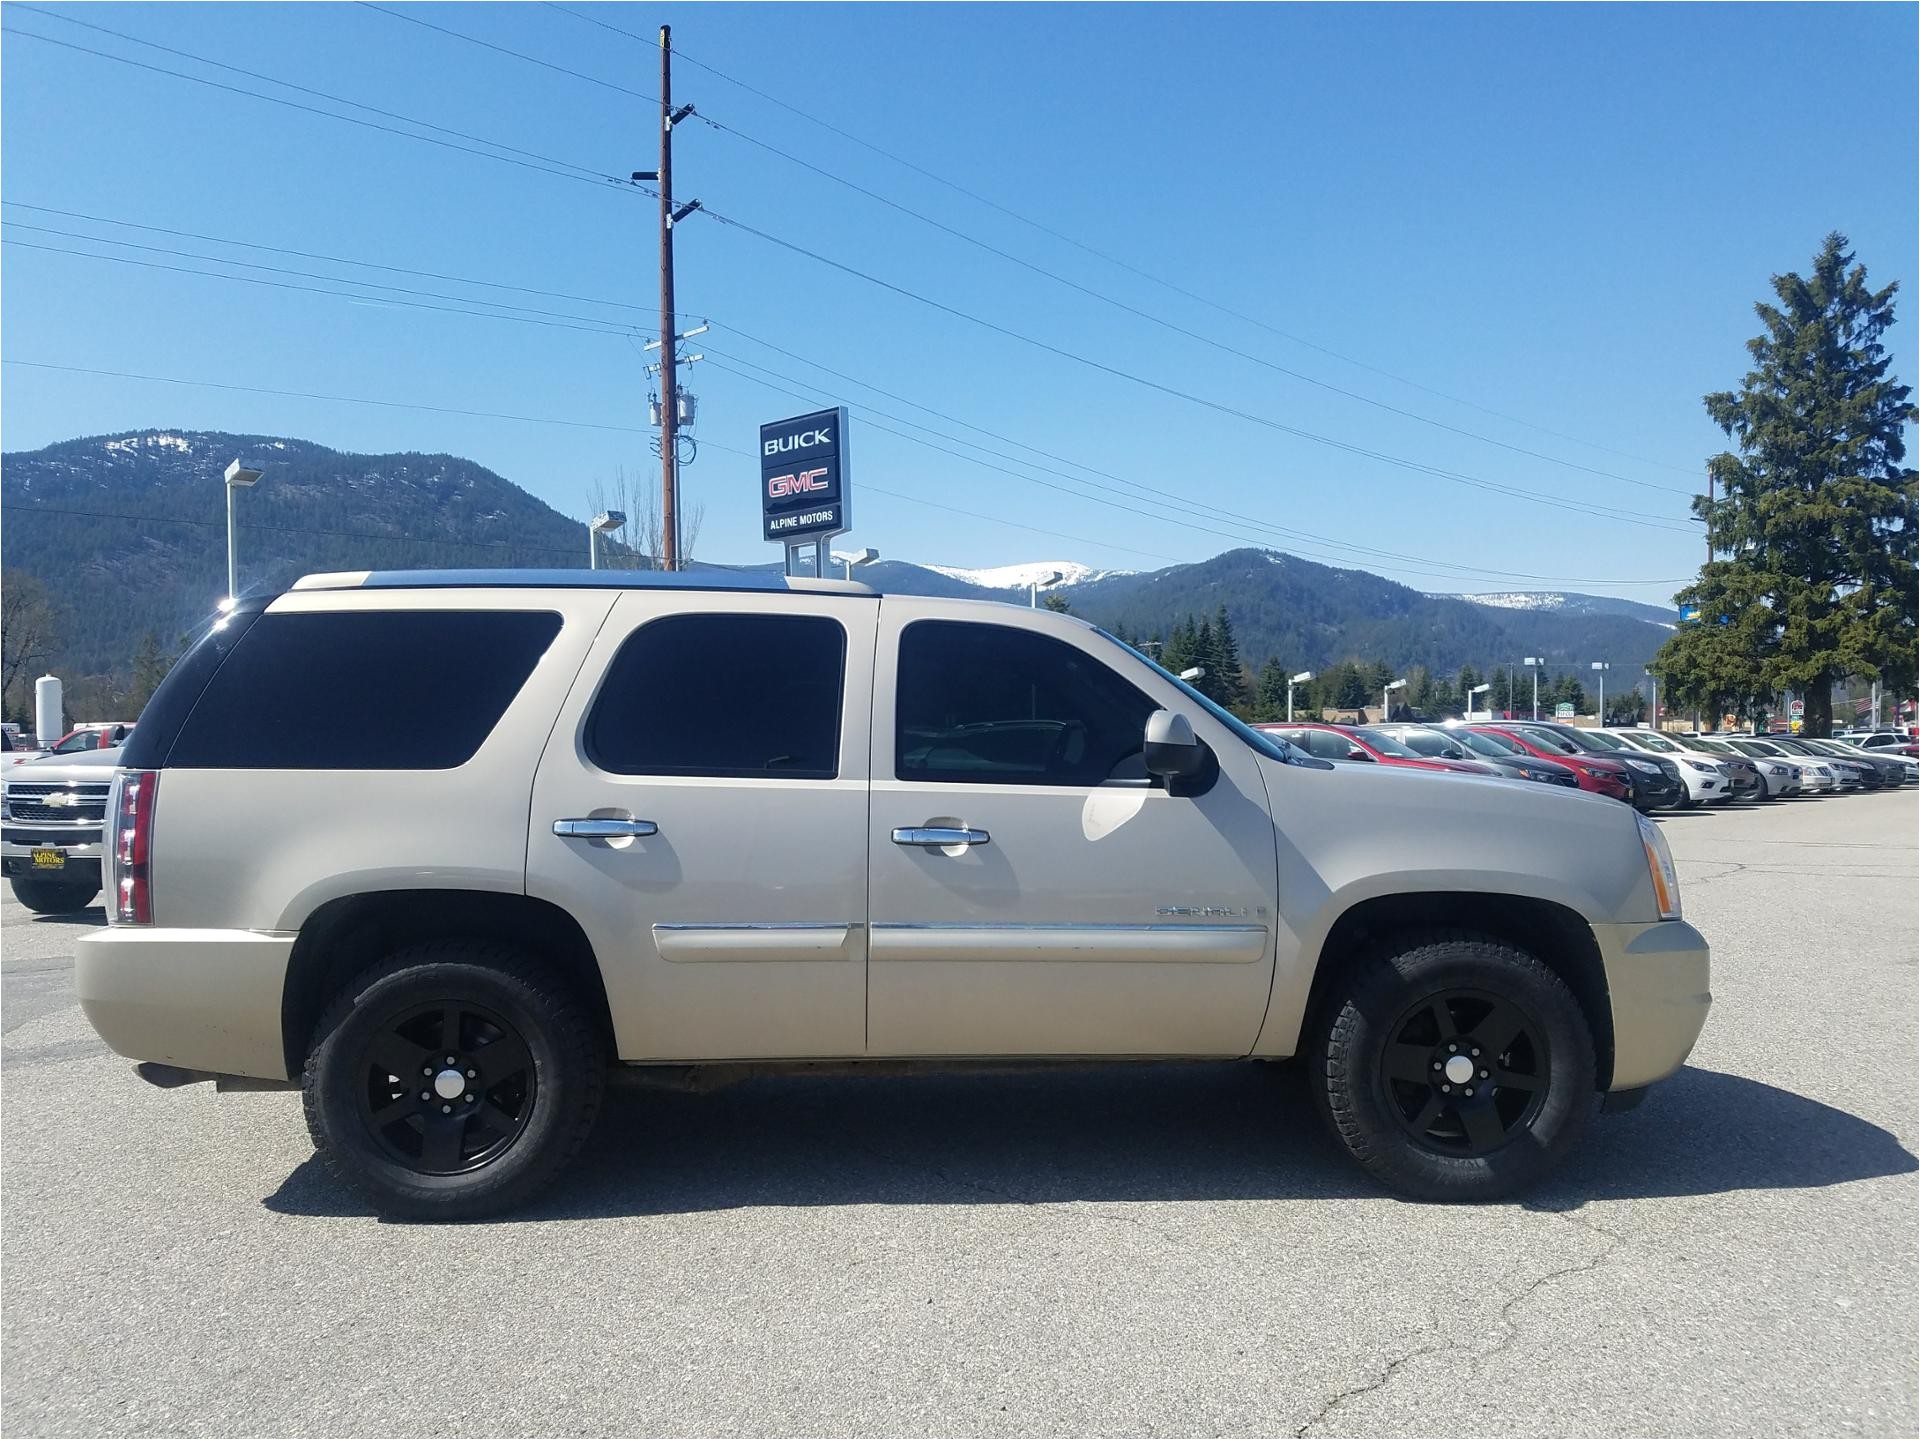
x,y
1171,750
1354,752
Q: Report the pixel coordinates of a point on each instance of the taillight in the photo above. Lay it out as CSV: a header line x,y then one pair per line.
x,y
130,846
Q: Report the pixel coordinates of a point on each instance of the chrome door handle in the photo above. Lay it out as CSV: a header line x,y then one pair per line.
x,y
603,829
938,835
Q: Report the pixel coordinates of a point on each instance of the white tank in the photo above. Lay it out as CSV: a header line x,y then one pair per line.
x,y
47,710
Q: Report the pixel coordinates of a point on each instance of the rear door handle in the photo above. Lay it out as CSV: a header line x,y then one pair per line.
x,y
939,835
587,829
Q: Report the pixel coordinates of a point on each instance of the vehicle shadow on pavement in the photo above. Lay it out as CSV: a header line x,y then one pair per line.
x,y
1116,1134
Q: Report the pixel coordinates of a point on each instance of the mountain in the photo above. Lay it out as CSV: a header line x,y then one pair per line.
x,y
1566,602
129,533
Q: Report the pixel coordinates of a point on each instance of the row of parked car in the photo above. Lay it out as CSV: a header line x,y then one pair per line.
x,y
1649,769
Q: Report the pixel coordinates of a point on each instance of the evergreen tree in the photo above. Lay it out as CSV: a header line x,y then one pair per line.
x,y
1469,677
1816,514
1347,686
1270,693
1056,602
150,666
1233,680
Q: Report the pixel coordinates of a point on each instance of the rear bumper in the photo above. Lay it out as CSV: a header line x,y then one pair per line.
x,y
1657,984
198,999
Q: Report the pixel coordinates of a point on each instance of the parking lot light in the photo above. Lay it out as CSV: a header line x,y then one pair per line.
x,y
1300,679
605,523
1477,690
1533,663
863,557
1600,668
1386,698
239,477
1033,590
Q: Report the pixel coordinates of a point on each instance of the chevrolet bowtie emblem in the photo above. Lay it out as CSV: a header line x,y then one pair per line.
x,y
62,798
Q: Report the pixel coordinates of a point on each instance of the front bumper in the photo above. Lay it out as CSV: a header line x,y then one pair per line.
x,y
1657,984
199,999
18,842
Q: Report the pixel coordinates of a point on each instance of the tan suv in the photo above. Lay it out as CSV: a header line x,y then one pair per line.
x,y
441,846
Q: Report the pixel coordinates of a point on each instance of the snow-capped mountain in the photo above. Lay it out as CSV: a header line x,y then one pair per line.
x,y
1009,577
1567,602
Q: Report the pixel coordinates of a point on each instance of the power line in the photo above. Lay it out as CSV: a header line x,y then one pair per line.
x,y
591,329
582,173
335,399
1059,279
1631,517
304,274
1450,572
1114,260
313,255
1153,494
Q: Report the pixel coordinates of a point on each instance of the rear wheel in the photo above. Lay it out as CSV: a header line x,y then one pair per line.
x,y
46,896
1455,1067
452,1081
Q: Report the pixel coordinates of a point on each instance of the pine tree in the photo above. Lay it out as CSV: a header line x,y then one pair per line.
x,y
1816,515
150,666
1270,693
1233,680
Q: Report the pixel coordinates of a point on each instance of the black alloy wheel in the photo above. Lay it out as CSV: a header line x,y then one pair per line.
x,y
1465,1072
453,1080
1453,1066
450,1085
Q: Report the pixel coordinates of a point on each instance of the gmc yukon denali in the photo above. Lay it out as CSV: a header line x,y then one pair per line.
x,y
441,848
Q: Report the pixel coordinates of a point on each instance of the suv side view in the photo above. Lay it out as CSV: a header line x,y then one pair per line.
x,y
585,819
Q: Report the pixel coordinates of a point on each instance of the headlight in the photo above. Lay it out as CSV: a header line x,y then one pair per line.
x,y
1776,770
1645,767
1702,766
1666,880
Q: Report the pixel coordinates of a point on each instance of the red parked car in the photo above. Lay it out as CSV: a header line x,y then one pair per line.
x,y
1367,745
1596,772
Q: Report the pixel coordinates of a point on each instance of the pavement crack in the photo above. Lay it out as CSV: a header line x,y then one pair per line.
x,y
1393,1367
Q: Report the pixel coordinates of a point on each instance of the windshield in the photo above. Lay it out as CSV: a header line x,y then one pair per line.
x,y
1430,743
1385,743
1757,747
1271,745
1713,747
1554,741
1487,743
1610,742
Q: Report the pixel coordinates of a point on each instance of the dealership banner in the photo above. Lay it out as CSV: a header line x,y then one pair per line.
x,y
803,477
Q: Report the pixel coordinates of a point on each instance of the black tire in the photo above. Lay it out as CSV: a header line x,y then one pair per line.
x,y
1402,1131
46,896
383,1133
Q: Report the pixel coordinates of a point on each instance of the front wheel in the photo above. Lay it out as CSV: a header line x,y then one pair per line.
x,y
452,1081
44,896
1455,1067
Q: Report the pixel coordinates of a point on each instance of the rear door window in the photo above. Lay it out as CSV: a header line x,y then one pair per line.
x,y
723,695
363,690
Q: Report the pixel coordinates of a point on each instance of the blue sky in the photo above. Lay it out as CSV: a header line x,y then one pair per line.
x,y
1562,214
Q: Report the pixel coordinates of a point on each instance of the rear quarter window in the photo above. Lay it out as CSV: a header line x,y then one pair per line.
x,y
362,690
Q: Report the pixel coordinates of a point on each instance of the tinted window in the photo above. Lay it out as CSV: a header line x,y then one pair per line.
x,y
1386,744
730,695
362,690
1426,742
992,705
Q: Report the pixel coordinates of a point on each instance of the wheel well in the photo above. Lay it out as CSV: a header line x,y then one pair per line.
x,y
345,936
1557,936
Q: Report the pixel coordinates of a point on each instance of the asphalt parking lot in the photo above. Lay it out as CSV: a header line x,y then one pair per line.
x,y
1114,1251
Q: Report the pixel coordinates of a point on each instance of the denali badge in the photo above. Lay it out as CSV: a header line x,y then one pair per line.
x,y
1205,912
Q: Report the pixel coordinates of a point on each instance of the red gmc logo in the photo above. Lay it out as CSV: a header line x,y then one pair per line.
x,y
804,482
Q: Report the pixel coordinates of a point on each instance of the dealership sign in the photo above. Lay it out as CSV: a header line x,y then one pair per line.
x,y
803,477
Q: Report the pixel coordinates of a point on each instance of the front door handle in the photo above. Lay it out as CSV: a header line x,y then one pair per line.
x,y
938,835
589,829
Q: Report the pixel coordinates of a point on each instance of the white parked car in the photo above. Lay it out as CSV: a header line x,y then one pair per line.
x,y
1816,777
1778,777
1707,779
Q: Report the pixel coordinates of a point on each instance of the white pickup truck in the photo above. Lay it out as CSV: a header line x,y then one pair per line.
x,y
52,809
440,847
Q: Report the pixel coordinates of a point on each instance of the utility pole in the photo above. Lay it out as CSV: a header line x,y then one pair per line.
x,y
669,353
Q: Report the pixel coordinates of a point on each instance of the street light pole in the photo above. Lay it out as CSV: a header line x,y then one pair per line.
x,y
1300,679
1034,589
1533,664
239,477
1386,699
605,523
1473,692
864,557
1600,669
